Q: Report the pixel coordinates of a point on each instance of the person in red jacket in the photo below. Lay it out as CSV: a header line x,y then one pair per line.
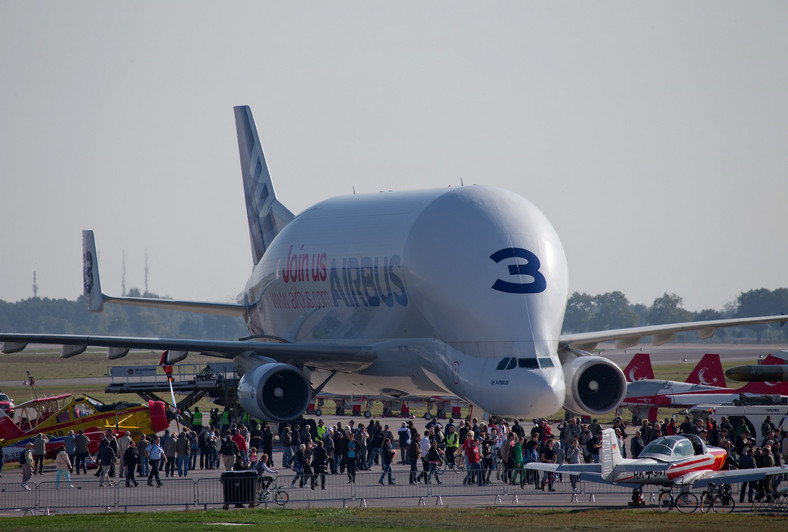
x,y
474,459
240,441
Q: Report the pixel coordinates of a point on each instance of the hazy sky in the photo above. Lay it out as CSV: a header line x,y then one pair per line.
x,y
654,136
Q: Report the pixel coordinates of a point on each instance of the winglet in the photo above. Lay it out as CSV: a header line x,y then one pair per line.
x,y
609,454
91,284
265,214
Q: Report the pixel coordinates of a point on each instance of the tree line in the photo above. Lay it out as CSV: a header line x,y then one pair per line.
x,y
63,316
584,313
612,310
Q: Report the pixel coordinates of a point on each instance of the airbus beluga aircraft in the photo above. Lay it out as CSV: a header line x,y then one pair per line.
x,y
458,291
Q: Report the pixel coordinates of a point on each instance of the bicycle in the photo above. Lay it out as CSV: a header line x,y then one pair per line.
x,y
271,493
721,502
684,502
459,463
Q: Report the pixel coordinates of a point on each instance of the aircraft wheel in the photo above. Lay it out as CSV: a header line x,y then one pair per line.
x,y
367,414
665,501
441,414
427,416
318,412
686,503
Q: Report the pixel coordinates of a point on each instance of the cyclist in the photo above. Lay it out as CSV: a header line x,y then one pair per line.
x,y
265,475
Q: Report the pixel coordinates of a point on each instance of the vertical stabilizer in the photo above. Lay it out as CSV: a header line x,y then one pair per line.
x,y
266,216
91,284
639,368
708,372
609,454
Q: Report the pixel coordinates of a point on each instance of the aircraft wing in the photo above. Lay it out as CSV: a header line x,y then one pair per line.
x,y
587,472
661,333
563,468
340,358
716,478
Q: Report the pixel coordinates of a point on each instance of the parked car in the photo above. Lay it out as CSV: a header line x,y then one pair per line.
x,y
7,405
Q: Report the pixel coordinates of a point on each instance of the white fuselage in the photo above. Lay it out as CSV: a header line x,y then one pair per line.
x,y
661,393
442,284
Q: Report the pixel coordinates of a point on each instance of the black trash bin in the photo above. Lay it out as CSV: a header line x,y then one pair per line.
x,y
240,487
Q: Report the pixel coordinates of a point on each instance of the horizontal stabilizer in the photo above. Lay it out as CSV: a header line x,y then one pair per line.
x,y
96,299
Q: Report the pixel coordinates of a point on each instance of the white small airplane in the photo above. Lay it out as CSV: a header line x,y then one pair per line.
x,y
682,461
448,292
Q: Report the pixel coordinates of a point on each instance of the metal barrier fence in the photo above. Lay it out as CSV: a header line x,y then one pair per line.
x,y
208,492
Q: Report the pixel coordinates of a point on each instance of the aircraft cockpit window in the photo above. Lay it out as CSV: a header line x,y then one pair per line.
x,y
683,448
657,448
523,363
84,410
697,444
663,446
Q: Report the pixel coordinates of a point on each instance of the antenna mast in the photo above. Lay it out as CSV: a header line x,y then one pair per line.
x,y
146,271
123,278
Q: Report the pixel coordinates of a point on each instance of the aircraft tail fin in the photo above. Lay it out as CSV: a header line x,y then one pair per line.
x,y
8,429
265,214
767,388
609,454
639,368
91,284
708,371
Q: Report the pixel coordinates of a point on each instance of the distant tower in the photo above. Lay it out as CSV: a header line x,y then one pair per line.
x,y
146,270
123,279
35,285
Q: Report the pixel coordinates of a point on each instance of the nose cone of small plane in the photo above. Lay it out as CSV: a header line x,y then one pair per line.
x,y
158,415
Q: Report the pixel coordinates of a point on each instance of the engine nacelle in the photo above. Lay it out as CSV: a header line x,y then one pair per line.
x,y
594,385
274,392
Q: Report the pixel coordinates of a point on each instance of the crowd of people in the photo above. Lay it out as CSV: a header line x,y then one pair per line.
x,y
490,451
743,451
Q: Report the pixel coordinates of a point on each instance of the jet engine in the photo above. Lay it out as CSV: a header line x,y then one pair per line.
x,y
274,392
594,385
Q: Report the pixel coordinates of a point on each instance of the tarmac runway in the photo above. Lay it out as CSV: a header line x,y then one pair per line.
x,y
665,354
